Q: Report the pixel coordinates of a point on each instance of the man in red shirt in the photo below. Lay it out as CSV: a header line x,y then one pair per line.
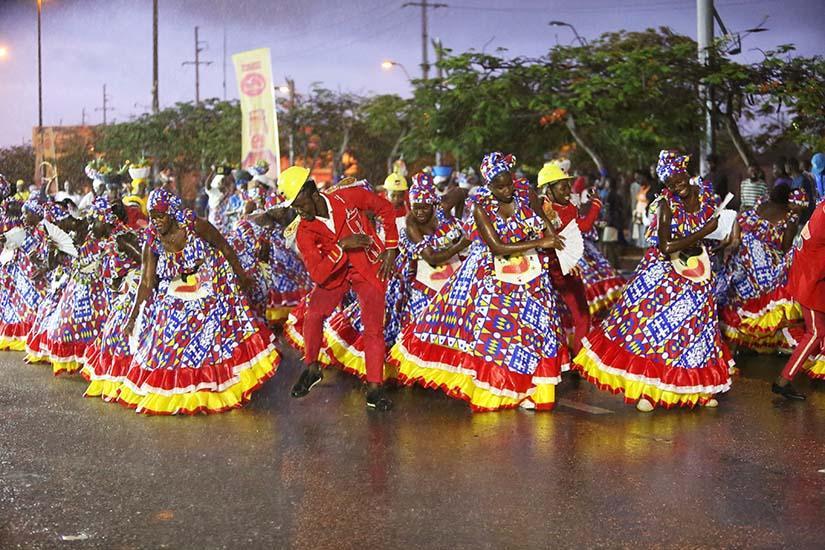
x,y
342,250
806,283
561,212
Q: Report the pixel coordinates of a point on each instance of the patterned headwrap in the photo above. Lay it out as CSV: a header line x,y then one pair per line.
x,y
422,190
274,200
55,213
494,164
34,205
798,197
102,211
671,163
166,202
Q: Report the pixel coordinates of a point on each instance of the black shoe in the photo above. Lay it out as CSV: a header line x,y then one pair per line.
x,y
308,379
376,399
787,392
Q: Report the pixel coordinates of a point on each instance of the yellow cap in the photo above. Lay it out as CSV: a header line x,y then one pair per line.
x,y
395,182
291,181
551,173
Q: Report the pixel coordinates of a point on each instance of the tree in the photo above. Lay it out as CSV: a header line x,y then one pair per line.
x,y
17,162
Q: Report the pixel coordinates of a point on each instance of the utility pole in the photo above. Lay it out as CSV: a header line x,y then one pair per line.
x,y
291,85
197,63
83,117
224,63
704,39
39,69
105,108
424,5
155,100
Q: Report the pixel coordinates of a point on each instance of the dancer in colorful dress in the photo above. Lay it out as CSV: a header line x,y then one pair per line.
x,y
26,283
429,248
83,305
758,306
108,358
58,264
490,335
660,345
198,347
342,251
806,283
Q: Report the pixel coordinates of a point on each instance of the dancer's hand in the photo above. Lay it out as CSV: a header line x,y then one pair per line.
x,y
356,240
129,328
552,241
387,263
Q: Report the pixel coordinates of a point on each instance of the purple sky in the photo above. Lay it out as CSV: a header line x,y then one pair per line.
x,y
340,44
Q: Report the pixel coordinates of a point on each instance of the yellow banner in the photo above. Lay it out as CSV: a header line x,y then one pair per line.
x,y
253,70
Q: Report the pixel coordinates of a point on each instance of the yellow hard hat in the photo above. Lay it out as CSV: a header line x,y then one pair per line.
x,y
291,181
552,173
395,182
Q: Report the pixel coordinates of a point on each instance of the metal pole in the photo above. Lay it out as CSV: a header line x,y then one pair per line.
x,y
104,104
224,63
39,70
291,84
425,64
197,70
155,100
704,39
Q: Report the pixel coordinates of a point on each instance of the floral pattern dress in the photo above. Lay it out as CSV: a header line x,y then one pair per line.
x,y
661,341
491,335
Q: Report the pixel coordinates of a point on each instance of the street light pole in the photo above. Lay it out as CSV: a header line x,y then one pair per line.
x,y
704,39
389,64
155,100
581,40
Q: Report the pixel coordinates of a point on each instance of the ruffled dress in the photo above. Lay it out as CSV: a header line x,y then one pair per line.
x,y
661,341
758,306
603,283
81,310
490,335
408,292
109,357
25,287
198,347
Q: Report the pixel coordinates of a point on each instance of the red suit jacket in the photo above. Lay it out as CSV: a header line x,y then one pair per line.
x,y
806,280
326,262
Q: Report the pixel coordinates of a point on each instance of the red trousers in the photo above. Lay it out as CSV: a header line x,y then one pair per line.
x,y
571,289
809,344
322,302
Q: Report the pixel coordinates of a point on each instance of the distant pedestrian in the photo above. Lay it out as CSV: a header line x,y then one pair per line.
x,y
752,189
780,176
801,180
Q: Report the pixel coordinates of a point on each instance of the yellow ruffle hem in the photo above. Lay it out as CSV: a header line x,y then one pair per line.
x,y
277,314
12,344
351,360
633,390
250,378
463,385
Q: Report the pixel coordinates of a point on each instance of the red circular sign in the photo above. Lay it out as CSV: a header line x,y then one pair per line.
x,y
253,84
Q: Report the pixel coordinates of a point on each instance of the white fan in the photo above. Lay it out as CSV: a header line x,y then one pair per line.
x,y
573,249
15,237
61,239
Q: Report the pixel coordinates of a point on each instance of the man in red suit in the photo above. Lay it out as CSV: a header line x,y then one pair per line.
x,y
560,211
342,251
806,283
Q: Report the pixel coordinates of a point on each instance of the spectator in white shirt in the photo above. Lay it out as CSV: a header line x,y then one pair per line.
x,y
752,189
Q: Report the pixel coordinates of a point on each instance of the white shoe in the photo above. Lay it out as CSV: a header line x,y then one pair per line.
x,y
528,404
712,403
643,405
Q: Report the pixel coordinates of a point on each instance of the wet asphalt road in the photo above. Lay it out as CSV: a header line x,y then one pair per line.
x,y
324,473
